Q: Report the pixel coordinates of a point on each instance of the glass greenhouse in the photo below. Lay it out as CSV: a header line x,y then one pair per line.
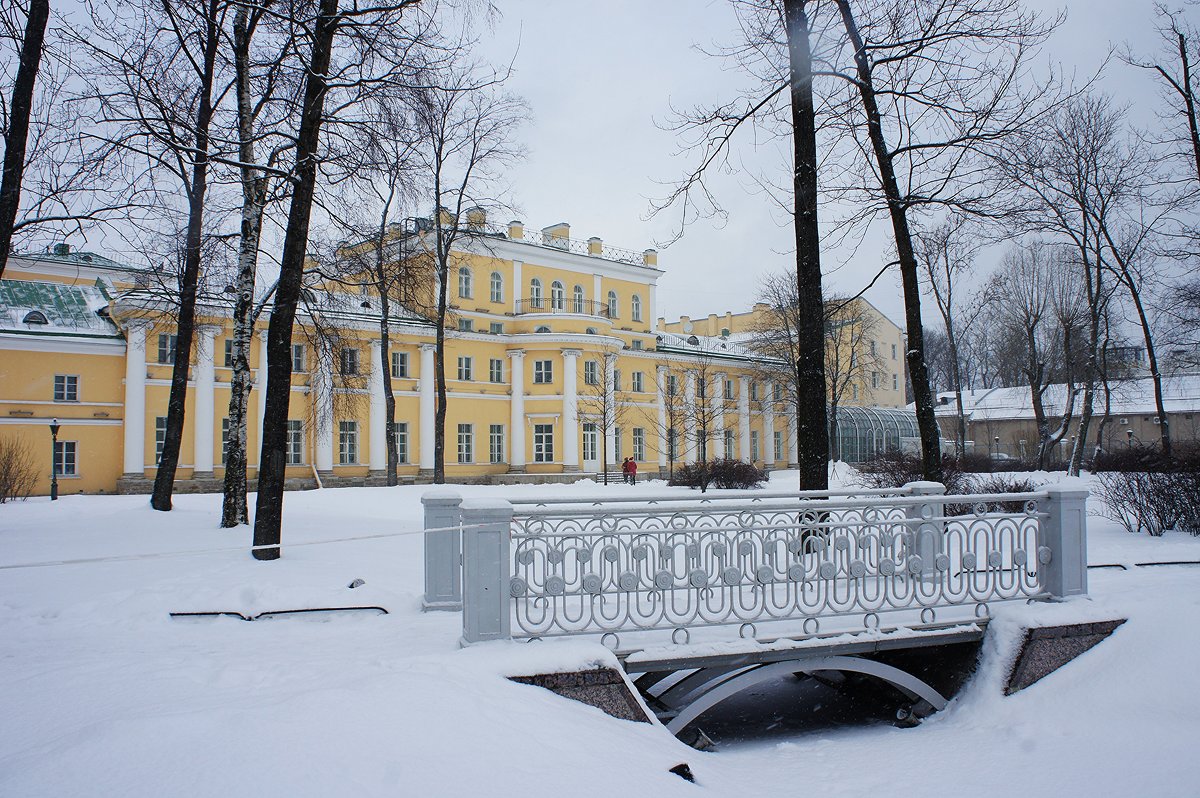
x,y
866,431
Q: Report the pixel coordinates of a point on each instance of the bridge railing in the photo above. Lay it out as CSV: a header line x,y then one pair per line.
x,y
790,567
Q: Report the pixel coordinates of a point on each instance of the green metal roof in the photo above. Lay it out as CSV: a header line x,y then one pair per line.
x,y
68,309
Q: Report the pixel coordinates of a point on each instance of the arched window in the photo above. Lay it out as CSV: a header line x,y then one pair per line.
x,y
590,331
635,307
542,329
577,297
558,296
535,293
464,282
497,287
612,305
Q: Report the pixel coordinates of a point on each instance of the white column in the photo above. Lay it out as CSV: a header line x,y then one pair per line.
x,y
203,422
323,396
769,426
689,417
516,446
597,287
262,385
651,308
718,415
426,408
793,442
570,428
744,418
663,441
377,434
518,286
135,400
609,395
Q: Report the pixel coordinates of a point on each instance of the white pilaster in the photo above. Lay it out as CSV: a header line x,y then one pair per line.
x,y
663,432
609,395
769,426
135,400
262,386
377,435
597,287
570,428
744,418
793,439
518,287
203,422
516,454
718,416
426,407
323,434
689,417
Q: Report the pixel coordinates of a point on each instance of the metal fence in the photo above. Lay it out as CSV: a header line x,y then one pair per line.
x,y
781,567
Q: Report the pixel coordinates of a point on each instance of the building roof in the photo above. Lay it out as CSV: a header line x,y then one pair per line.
x,y
45,308
701,345
1181,394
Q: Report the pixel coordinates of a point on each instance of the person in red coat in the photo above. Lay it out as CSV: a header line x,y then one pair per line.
x,y
632,473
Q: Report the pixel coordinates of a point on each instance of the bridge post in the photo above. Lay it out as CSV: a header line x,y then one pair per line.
x,y
1064,533
927,535
487,525
443,551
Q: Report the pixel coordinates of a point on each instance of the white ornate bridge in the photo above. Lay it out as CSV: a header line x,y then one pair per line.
x,y
728,591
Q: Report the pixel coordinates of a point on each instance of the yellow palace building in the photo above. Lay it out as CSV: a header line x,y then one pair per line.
x,y
553,371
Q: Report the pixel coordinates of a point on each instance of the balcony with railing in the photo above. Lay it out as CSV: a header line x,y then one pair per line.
x,y
584,307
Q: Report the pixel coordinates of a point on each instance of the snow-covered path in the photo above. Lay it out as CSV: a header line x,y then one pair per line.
x,y
103,694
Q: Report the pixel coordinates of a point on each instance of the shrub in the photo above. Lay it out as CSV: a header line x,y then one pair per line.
x,y
896,469
725,474
18,471
1005,484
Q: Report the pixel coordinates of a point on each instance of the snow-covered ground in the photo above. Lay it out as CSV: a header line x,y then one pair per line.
x,y
101,693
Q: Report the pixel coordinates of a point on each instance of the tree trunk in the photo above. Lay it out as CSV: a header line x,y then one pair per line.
x,y
1189,101
439,366
19,110
931,455
812,423
268,517
164,478
234,507
1164,429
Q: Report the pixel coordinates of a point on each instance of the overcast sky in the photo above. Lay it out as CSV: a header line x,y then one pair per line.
x,y
599,75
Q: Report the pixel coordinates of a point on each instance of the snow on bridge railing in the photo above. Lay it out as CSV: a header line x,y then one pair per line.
x,y
777,568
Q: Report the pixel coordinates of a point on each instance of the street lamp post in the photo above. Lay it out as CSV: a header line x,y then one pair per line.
x,y
1129,433
54,459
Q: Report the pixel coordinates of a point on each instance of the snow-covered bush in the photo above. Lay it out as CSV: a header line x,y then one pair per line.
x,y
726,474
18,471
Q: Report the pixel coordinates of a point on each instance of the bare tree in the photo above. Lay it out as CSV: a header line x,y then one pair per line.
x,y
936,82
16,121
464,130
851,357
601,401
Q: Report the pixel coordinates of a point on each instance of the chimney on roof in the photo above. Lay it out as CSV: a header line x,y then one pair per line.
x,y
516,230
61,249
476,218
595,246
650,257
557,235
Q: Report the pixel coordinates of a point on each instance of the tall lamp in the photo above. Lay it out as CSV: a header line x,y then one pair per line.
x,y
54,459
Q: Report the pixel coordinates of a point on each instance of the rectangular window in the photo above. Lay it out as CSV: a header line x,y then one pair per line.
x,y
347,442
543,371
299,361
589,442
753,391
166,348
466,443
401,442
753,445
65,462
160,437
729,389
66,388
895,382
224,440
702,388
636,344
729,444
496,443
778,445
672,450
639,444
872,348
637,382
616,386
874,379
496,328
854,391
228,353
496,370
466,325
616,444
464,368
543,443
777,390
349,361
591,372
672,385
295,442
399,365
893,351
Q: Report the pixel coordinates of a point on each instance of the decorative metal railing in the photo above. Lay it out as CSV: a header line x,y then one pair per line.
x,y
569,305
777,568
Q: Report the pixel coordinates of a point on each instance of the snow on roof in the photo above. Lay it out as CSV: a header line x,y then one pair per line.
x,y
1181,394
714,346
47,308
